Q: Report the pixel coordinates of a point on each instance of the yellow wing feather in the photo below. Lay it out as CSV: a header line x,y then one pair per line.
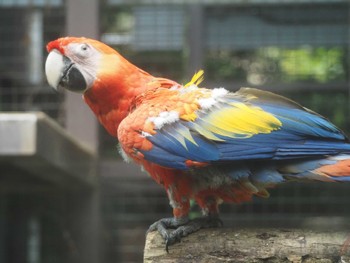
x,y
242,121
196,79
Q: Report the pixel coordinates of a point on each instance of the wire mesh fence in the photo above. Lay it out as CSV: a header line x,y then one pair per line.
x,y
24,30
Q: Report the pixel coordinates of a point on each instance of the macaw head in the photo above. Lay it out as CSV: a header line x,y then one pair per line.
x,y
77,63
108,81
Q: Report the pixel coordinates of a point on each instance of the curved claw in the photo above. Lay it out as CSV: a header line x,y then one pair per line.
x,y
171,222
164,224
171,240
182,227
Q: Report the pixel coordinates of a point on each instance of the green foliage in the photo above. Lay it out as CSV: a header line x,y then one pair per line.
x,y
317,64
281,67
117,20
275,65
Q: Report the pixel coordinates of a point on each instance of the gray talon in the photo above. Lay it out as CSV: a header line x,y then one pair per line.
x,y
182,227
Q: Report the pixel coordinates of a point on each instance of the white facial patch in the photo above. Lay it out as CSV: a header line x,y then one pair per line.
x,y
165,117
53,68
216,94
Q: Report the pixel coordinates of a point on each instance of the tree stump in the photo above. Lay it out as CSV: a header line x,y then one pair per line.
x,y
252,245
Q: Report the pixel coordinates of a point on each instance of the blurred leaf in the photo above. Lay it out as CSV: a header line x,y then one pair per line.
x,y
275,65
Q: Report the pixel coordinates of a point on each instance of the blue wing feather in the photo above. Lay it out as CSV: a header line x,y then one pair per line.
x,y
302,134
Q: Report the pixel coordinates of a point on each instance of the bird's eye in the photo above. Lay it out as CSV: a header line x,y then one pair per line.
x,y
84,47
82,50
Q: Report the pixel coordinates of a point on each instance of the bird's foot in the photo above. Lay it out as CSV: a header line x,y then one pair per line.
x,y
182,227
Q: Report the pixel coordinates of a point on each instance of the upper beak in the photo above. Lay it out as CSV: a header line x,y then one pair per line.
x,y
62,72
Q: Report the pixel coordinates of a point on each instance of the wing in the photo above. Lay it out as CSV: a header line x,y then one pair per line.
x,y
227,127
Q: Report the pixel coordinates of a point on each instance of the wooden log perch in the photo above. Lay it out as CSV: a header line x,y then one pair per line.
x,y
252,245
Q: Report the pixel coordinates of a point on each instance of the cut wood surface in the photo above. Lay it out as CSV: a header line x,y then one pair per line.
x,y
252,245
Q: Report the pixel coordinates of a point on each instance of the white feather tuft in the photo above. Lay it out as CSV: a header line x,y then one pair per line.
x,y
123,154
207,103
216,94
165,117
219,92
175,87
190,88
145,134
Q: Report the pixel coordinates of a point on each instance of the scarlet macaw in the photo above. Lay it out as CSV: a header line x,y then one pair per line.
x,y
207,145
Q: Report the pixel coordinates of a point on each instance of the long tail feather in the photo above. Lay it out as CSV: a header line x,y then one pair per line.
x,y
338,171
332,168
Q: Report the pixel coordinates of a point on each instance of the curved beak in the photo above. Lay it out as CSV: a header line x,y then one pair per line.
x,y
62,72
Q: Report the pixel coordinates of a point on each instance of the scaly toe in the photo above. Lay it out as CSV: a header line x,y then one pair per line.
x,y
182,227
